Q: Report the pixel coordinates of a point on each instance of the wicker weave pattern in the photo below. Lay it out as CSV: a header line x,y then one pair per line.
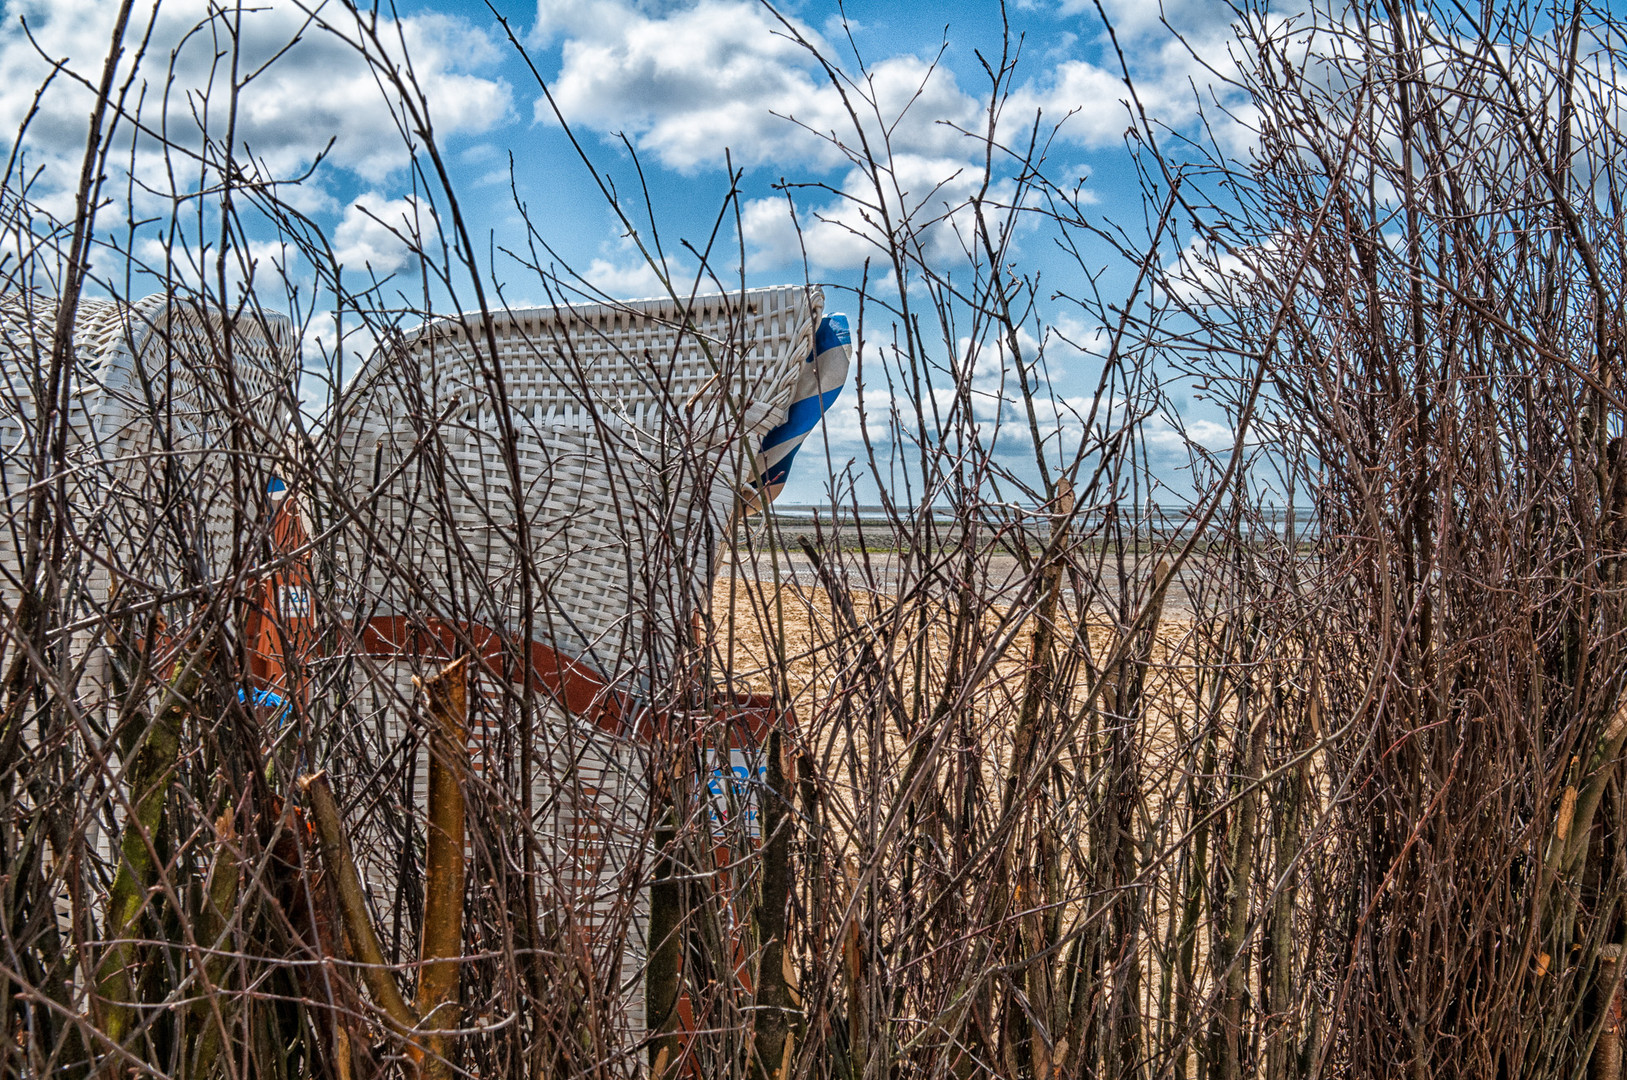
x,y
156,420
633,431
628,420
154,426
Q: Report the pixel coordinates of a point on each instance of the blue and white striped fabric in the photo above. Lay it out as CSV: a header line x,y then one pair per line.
x,y
818,382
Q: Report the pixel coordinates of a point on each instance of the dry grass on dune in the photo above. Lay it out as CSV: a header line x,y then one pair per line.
x,y
760,629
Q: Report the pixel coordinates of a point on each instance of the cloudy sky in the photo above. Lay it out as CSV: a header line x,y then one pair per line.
x,y
690,88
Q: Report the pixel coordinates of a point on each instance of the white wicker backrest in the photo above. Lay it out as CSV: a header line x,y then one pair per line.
x,y
633,424
164,436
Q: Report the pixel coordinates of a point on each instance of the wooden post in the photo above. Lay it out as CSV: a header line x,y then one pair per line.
x,y
441,944
219,898
662,976
773,1042
1606,1063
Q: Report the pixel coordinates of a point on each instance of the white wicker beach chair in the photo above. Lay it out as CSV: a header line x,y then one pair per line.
x,y
169,408
632,431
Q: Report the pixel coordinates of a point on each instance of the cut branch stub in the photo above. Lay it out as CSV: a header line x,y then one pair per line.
x,y
442,939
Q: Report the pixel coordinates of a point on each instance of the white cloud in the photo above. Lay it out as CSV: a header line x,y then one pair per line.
x,y
1181,55
841,423
995,385
322,346
1133,19
684,85
379,235
632,279
272,266
329,359
998,412
310,85
929,197
1202,275
1210,435
1088,102
619,271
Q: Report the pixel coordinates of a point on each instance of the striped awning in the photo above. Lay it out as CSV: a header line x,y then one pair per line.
x,y
818,383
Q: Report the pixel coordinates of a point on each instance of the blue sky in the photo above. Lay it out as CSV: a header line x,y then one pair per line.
x,y
688,87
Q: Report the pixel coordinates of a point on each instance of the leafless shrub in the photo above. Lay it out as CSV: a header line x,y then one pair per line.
x,y
1313,775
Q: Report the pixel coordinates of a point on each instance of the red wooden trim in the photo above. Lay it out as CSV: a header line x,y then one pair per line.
x,y
581,689
279,624
280,628
577,687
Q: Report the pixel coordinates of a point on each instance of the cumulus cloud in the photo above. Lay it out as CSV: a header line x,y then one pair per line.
x,y
375,236
999,416
682,84
309,87
685,84
629,278
992,394
379,235
1134,19
1203,434
994,383
270,267
1180,53
930,197
332,350
1089,103
842,427
333,345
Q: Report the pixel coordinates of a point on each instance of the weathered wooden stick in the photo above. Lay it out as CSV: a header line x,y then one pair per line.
x,y
1586,803
441,943
774,993
353,907
1229,1050
1606,1062
1037,685
858,990
661,979
1280,998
